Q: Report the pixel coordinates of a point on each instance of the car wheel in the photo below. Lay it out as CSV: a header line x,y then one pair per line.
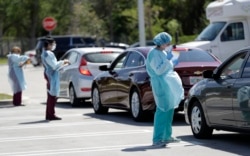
x,y
74,101
96,102
135,106
199,126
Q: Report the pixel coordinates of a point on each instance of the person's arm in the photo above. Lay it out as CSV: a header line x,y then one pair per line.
x,y
159,64
53,63
23,60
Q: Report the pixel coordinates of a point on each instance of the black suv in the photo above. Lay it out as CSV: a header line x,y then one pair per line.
x,y
64,43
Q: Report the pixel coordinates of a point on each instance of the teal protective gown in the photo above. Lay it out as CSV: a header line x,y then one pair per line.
x,y
167,90
15,74
52,67
166,83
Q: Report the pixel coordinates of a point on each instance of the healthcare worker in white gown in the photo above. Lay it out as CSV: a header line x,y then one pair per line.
x,y
16,61
166,86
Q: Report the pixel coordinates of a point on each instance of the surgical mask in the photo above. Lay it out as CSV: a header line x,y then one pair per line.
x,y
169,48
53,47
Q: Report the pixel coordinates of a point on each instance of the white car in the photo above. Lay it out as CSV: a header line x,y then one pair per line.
x,y
32,56
76,78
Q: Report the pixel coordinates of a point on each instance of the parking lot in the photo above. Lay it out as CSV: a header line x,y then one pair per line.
x,y
25,132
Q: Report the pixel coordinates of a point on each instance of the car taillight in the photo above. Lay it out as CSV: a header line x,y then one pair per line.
x,y
83,68
106,52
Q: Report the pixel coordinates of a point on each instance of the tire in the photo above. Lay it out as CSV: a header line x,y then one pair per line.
x,y
135,106
96,102
199,126
74,101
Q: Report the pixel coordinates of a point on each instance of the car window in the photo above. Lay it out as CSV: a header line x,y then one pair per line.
x,y
72,57
101,57
233,31
78,40
134,60
119,61
211,31
232,69
65,56
62,41
195,55
246,70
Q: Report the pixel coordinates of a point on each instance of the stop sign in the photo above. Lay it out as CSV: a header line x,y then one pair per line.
x,y
49,23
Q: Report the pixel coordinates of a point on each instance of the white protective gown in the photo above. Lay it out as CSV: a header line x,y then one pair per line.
x,y
15,74
52,67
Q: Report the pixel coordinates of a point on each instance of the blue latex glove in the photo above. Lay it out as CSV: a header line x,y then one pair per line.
x,y
169,55
175,62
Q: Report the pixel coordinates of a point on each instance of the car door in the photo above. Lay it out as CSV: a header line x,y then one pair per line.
x,y
108,83
68,72
133,62
219,93
241,96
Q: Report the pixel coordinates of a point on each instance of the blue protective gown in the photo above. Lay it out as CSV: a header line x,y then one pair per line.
x,y
167,90
15,74
51,69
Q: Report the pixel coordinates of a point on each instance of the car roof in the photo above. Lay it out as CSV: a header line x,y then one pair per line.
x,y
62,36
145,50
95,49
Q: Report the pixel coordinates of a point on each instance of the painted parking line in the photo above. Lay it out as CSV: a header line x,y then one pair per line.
x,y
123,148
7,118
47,124
74,135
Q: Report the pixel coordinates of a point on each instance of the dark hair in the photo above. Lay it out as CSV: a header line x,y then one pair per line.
x,y
48,40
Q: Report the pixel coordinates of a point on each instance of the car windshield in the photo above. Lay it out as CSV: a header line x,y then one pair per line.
x,y
101,57
210,32
193,55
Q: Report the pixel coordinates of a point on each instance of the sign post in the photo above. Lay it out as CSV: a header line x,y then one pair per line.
x,y
49,24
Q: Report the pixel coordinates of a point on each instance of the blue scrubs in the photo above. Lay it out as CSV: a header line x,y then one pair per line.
x,y
167,90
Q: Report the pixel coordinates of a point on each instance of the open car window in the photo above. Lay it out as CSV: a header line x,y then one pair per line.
x,y
232,69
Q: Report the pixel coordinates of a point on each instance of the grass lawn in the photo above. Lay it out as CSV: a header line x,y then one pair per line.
x,y
5,96
3,60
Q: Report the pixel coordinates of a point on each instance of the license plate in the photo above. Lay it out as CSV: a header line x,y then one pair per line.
x,y
194,79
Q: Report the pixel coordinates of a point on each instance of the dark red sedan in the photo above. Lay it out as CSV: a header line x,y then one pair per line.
x,y
125,84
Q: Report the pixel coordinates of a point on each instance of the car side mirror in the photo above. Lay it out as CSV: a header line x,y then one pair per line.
x,y
207,74
103,68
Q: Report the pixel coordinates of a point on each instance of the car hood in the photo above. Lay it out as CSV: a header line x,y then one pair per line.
x,y
197,44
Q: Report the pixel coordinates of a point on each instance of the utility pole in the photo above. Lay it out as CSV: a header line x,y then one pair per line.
x,y
141,22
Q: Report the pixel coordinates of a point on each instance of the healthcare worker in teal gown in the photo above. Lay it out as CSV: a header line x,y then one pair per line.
x,y
166,86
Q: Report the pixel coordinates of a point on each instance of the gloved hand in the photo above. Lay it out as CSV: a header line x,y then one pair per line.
x,y
169,55
175,62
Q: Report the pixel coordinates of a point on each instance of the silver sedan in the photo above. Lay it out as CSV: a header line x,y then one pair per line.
x,y
77,77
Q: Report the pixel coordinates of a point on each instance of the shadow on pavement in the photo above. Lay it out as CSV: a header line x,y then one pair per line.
x,y
125,117
221,141
67,105
35,122
141,148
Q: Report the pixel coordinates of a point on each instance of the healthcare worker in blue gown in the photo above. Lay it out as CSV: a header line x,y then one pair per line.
x,y
51,74
16,77
166,86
